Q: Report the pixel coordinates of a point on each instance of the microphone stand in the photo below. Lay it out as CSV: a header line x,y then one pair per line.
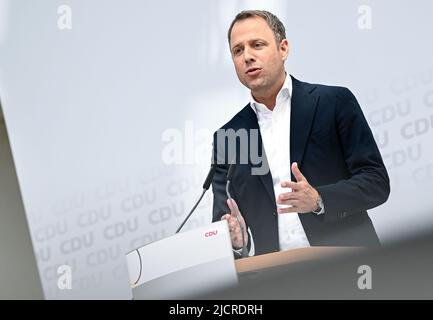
x,y
206,186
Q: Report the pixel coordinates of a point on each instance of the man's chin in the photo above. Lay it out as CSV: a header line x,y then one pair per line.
x,y
255,85
258,89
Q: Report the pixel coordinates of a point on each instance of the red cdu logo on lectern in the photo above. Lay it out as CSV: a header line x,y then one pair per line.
x,y
211,233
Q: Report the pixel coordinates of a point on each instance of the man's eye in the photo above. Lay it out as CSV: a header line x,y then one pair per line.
x,y
237,51
258,45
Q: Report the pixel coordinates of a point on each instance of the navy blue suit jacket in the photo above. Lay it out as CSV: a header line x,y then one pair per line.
x,y
335,150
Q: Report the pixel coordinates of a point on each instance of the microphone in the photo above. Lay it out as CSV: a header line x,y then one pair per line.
x,y
244,252
206,186
209,177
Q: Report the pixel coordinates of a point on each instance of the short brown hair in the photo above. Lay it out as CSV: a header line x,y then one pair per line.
x,y
272,20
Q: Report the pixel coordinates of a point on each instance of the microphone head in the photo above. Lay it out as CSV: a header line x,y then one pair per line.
x,y
209,177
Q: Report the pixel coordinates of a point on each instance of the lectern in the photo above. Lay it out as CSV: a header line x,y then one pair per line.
x,y
198,262
275,259
187,264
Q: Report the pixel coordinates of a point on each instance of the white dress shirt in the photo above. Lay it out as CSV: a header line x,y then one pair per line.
x,y
275,131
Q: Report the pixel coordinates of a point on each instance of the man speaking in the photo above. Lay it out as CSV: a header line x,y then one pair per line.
x,y
325,169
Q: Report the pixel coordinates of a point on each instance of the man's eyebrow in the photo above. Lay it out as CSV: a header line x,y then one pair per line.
x,y
249,41
258,39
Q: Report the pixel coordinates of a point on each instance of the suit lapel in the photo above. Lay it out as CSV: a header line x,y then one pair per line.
x,y
303,109
249,121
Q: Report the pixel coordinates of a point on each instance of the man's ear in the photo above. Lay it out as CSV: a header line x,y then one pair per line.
x,y
284,49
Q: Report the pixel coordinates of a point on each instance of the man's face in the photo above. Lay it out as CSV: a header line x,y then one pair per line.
x,y
259,62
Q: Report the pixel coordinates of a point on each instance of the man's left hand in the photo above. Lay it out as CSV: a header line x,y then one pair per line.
x,y
302,198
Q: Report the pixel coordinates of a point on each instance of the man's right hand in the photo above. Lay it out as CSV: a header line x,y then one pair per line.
x,y
234,227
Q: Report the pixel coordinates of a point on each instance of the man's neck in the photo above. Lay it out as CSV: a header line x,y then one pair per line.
x,y
269,98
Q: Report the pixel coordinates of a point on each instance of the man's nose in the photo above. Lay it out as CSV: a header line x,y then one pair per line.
x,y
248,55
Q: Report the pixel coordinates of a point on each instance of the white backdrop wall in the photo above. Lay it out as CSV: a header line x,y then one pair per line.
x,y
95,112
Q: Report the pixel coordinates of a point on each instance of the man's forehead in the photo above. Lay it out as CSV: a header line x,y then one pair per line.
x,y
250,29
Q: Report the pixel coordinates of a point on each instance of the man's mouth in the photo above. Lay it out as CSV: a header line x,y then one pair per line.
x,y
253,71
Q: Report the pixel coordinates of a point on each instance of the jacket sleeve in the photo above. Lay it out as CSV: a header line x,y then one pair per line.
x,y
368,185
